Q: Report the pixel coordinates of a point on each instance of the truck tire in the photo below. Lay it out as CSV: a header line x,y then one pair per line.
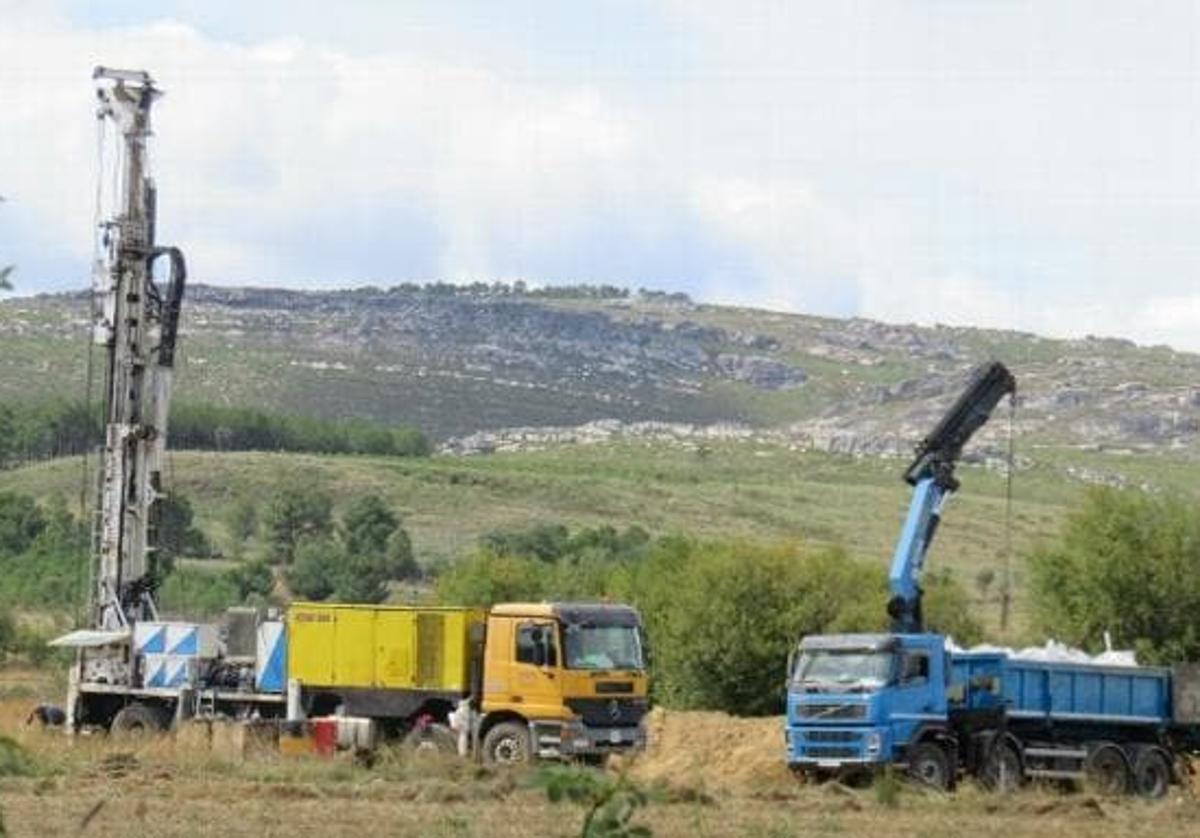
x,y
135,720
1107,769
507,743
1151,773
1001,770
929,764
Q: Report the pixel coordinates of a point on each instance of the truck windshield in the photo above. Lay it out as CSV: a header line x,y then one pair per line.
x,y
850,668
602,647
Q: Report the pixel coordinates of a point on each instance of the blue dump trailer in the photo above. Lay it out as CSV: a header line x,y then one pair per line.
x,y
858,702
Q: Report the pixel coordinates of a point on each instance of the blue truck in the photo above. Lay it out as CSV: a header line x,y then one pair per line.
x,y
857,702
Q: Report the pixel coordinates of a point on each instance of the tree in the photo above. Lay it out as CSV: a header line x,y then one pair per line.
x,y
487,578
401,563
1124,562
367,524
722,618
241,521
293,513
176,534
547,542
314,573
948,608
361,578
253,579
21,521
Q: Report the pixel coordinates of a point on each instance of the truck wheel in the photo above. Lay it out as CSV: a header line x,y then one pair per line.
x,y
507,744
1001,771
929,764
1107,770
1151,773
134,720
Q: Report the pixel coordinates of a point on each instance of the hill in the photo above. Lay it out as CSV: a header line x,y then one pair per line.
x,y
601,407
469,365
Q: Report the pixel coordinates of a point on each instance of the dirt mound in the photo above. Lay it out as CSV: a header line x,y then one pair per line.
x,y
715,752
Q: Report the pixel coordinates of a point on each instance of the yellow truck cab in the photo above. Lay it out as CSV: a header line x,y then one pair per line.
x,y
520,681
561,679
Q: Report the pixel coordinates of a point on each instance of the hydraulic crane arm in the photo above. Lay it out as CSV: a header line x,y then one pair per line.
x,y
931,475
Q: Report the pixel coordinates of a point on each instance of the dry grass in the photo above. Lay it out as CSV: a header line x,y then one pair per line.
x,y
715,776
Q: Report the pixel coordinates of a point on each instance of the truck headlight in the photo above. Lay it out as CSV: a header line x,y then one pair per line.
x,y
874,742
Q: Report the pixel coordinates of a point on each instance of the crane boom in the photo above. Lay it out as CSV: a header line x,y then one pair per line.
x,y
136,322
931,474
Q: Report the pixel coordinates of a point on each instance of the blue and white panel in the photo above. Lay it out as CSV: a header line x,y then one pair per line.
x,y
270,674
183,640
168,671
150,638
197,640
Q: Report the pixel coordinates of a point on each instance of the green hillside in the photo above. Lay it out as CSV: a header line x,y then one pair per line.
x,y
733,490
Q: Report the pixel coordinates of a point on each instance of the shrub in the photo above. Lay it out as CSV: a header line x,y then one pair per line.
x,y
314,573
1125,562
295,512
486,578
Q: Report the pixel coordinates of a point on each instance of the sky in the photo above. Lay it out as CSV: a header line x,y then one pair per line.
x,y
1023,165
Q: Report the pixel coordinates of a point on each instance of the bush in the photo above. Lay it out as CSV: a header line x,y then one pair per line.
x,y
177,537
253,579
53,568
190,592
723,618
361,578
948,608
1125,562
486,579
401,562
241,521
296,512
314,573
21,521
367,524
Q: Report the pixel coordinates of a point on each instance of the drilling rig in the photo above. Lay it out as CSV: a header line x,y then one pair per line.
x,y
135,320
136,324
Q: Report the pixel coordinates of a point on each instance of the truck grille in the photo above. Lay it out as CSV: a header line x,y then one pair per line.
x,y
609,712
831,752
831,736
832,712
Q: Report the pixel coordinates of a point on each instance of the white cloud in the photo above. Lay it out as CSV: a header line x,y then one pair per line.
x,y
270,135
1015,165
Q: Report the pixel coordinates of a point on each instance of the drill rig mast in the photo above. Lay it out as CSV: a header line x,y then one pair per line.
x,y
136,322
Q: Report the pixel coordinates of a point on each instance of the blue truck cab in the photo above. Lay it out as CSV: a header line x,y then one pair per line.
x,y
856,701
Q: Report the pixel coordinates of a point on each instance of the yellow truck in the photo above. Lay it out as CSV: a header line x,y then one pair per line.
x,y
509,684
519,681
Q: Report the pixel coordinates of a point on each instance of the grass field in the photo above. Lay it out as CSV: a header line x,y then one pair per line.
x,y
708,775
726,490
729,490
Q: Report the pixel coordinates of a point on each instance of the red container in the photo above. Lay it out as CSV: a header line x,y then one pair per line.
x,y
324,736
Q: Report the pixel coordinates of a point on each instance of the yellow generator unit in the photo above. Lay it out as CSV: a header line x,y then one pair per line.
x,y
381,660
